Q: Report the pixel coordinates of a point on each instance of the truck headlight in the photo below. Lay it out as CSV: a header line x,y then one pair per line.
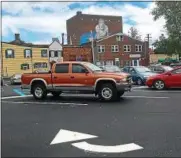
x,y
124,79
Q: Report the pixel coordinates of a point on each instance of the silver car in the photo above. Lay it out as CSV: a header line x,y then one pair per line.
x,y
15,79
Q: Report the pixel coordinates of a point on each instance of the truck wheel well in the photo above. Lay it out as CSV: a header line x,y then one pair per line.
x,y
101,82
39,82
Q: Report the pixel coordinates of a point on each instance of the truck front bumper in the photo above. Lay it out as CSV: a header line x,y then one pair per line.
x,y
124,86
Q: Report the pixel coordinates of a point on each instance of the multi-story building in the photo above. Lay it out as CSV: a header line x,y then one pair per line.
x,y
82,27
20,57
120,49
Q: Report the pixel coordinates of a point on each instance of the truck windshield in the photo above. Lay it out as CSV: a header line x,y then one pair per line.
x,y
92,67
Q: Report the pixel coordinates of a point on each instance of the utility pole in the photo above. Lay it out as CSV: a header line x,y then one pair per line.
x,y
92,45
148,37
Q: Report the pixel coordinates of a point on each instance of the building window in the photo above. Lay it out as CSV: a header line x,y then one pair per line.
x,y
40,65
109,62
27,53
119,38
101,49
55,53
127,48
138,48
9,53
25,66
44,53
114,48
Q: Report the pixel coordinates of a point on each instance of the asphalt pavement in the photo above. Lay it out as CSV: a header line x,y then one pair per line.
x,y
144,123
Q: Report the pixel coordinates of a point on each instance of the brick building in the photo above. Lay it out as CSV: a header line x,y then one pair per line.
x,y
120,49
79,27
75,53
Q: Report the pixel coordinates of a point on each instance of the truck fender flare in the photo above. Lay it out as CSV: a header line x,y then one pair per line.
x,y
103,79
38,79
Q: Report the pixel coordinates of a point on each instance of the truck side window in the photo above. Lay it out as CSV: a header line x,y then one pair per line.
x,y
62,68
77,68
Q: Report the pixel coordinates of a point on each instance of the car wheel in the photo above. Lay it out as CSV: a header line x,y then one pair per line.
x,y
39,91
56,94
139,81
159,85
107,92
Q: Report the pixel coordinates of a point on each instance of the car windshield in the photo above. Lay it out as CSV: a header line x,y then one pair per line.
x,y
143,69
167,68
92,67
112,69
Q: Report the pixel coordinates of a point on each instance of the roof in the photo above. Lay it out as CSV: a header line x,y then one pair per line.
x,y
79,13
28,44
115,34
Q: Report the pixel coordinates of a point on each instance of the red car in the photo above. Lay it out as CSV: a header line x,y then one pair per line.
x,y
170,79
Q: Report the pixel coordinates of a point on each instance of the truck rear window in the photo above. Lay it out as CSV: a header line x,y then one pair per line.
x,y
61,68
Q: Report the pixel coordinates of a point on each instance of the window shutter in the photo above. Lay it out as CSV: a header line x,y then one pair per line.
x,y
13,53
25,53
31,54
6,53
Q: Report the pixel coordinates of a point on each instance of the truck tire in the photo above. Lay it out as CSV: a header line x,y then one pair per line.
x,y
39,91
107,92
56,94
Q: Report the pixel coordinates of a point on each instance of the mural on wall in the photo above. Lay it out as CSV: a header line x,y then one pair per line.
x,y
101,30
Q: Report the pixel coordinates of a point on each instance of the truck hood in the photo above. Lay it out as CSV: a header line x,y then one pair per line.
x,y
111,74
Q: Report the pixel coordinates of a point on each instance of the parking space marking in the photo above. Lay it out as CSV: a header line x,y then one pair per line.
x,y
47,103
147,97
144,90
13,97
19,92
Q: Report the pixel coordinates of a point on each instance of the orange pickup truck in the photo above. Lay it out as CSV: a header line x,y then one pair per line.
x,y
83,77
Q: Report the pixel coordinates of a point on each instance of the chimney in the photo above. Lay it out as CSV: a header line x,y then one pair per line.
x,y
62,38
17,36
79,12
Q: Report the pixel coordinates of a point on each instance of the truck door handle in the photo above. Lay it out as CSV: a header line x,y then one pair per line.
x,y
72,77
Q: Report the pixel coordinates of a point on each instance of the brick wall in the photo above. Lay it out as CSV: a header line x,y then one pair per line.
x,y
70,53
82,23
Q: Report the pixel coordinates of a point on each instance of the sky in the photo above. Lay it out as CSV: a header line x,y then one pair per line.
x,y
39,22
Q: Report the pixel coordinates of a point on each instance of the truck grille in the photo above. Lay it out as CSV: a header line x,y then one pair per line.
x,y
129,79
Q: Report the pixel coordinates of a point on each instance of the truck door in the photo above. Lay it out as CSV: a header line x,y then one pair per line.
x,y
61,76
81,78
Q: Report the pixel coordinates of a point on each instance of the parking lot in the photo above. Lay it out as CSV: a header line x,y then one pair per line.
x,y
143,123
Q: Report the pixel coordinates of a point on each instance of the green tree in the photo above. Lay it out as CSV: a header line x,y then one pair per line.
x,y
134,33
171,11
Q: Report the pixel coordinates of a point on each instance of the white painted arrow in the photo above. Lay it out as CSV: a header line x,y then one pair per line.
x,y
68,136
107,149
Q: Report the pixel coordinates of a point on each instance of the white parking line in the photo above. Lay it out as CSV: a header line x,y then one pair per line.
x,y
148,97
6,85
47,103
156,91
13,97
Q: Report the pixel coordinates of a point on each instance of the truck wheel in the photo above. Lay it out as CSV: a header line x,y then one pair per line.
x,y
56,94
39,91
107,92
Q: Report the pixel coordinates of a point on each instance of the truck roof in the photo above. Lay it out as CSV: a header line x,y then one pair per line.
x,y
75,62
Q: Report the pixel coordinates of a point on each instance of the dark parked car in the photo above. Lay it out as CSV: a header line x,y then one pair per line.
x,y
160,68
139,74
